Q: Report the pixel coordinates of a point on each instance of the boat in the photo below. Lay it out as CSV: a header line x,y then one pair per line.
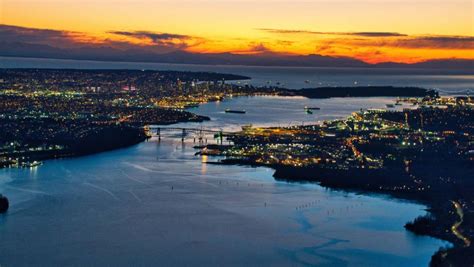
x,y
235,111
311,108
390,105
31,164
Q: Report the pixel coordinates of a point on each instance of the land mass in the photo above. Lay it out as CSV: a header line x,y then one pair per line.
x,y
365,91
424,154
50,113
103,53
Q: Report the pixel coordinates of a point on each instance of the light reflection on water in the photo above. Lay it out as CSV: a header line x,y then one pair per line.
x,y
157,202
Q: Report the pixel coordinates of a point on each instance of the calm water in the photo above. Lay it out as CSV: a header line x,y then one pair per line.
x,y
446,81
157,203
283,111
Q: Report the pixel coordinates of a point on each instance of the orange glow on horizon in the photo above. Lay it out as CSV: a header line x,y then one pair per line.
x,y
421,30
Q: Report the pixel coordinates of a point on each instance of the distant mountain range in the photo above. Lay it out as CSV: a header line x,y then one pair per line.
x,y
101,53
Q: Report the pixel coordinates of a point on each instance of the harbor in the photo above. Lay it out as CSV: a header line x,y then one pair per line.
x,y
168,185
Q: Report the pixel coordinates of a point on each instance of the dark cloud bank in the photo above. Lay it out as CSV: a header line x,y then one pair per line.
x,y
169,48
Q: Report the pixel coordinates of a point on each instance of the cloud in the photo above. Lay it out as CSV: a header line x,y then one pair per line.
x,y
283,31
259,48
254,48
375,34
169,40
59,38
412,42
385,39
365,45
164,40
363,34
437,42
150,41
157,38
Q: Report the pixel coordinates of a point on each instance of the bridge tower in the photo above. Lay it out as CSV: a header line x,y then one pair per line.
x,y
200,136
220,136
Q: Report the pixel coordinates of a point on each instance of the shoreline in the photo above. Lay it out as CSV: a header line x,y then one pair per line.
x,y
365,91
199,118
290,175
135,135
394,153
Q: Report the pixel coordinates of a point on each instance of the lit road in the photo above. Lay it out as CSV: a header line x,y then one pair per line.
x,y
455,226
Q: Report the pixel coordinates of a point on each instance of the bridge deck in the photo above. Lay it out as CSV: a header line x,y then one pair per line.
x,y
203,130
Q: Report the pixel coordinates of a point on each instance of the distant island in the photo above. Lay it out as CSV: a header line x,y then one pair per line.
x,y
26,50
365,91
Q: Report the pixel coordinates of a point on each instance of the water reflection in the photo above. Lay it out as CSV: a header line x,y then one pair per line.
x,y
204,164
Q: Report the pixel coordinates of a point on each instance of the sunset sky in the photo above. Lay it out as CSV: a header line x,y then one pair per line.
x,y
370,30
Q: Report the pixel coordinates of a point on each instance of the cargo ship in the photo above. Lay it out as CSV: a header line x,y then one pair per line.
x,y
235,111
311,108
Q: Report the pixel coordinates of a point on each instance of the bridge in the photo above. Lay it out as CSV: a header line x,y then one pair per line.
x,y
198,132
